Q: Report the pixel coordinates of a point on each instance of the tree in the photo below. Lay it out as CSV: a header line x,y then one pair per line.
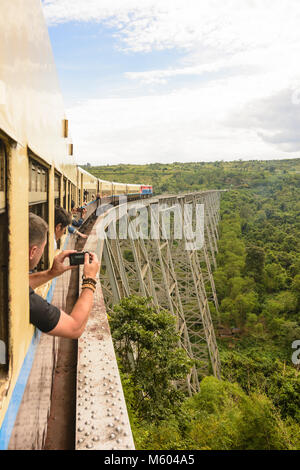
x,y
275,277
223,416
296,285
147,345
244,305
255,261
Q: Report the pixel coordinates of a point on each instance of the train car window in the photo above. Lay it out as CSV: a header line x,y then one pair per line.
x,y
91,193
81,190
64,194
3,267
38,198
42,211
57,189
38,182
73,193
2,177
69,196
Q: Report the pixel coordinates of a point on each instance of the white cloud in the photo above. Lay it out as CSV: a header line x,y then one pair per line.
x,y
230,25
246,53
161,76
275,119
283,66
182,126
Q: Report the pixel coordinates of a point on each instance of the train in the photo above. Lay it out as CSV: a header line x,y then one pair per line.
x,y
38,171
107,192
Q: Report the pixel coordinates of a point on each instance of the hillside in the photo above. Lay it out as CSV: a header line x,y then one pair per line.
x,y
180,177
258,287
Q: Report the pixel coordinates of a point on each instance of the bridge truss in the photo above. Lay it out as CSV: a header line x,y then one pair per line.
x,y
167,252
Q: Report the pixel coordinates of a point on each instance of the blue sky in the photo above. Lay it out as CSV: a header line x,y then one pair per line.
x,y
90,64
170,80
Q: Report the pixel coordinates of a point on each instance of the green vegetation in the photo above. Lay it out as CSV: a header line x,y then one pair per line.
x,y
181,177
147,346
221,416
257,404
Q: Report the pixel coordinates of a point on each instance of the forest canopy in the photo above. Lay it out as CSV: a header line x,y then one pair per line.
x,y
257,403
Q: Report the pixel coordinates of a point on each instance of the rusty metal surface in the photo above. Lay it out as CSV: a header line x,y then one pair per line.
x,y
101,415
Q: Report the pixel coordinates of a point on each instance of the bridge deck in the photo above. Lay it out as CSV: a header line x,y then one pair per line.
x,y
101,415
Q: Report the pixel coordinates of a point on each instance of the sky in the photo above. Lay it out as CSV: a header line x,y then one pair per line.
x,y
148,81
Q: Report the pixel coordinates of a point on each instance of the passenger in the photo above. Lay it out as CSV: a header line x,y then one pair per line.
x,y
74,210
98,199
79,215
63,220
46,317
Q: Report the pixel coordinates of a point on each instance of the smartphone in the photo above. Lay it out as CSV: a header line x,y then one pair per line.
x,y
77,258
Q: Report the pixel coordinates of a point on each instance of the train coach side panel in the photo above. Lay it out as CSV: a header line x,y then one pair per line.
x,y
31,104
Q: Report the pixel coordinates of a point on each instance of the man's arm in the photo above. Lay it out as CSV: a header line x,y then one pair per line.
x,y
58,268
74,231
73,325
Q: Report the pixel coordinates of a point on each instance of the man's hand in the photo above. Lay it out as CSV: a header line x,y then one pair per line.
x,y
58,266
91,268
82,235
40,278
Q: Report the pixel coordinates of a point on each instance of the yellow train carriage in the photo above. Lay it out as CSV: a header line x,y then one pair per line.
x,y
119,189
88,185
37,170
133,188
133,191
106,190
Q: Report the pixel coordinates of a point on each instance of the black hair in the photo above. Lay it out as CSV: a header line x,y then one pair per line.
x,y
62,217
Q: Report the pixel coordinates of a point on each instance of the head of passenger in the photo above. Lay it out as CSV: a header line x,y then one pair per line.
x,y
38,230
62,220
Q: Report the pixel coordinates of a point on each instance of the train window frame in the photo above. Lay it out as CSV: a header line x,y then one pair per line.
x,y
3,168
38,196
4,273
65,188
68,208
73,195
38,188
57,194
